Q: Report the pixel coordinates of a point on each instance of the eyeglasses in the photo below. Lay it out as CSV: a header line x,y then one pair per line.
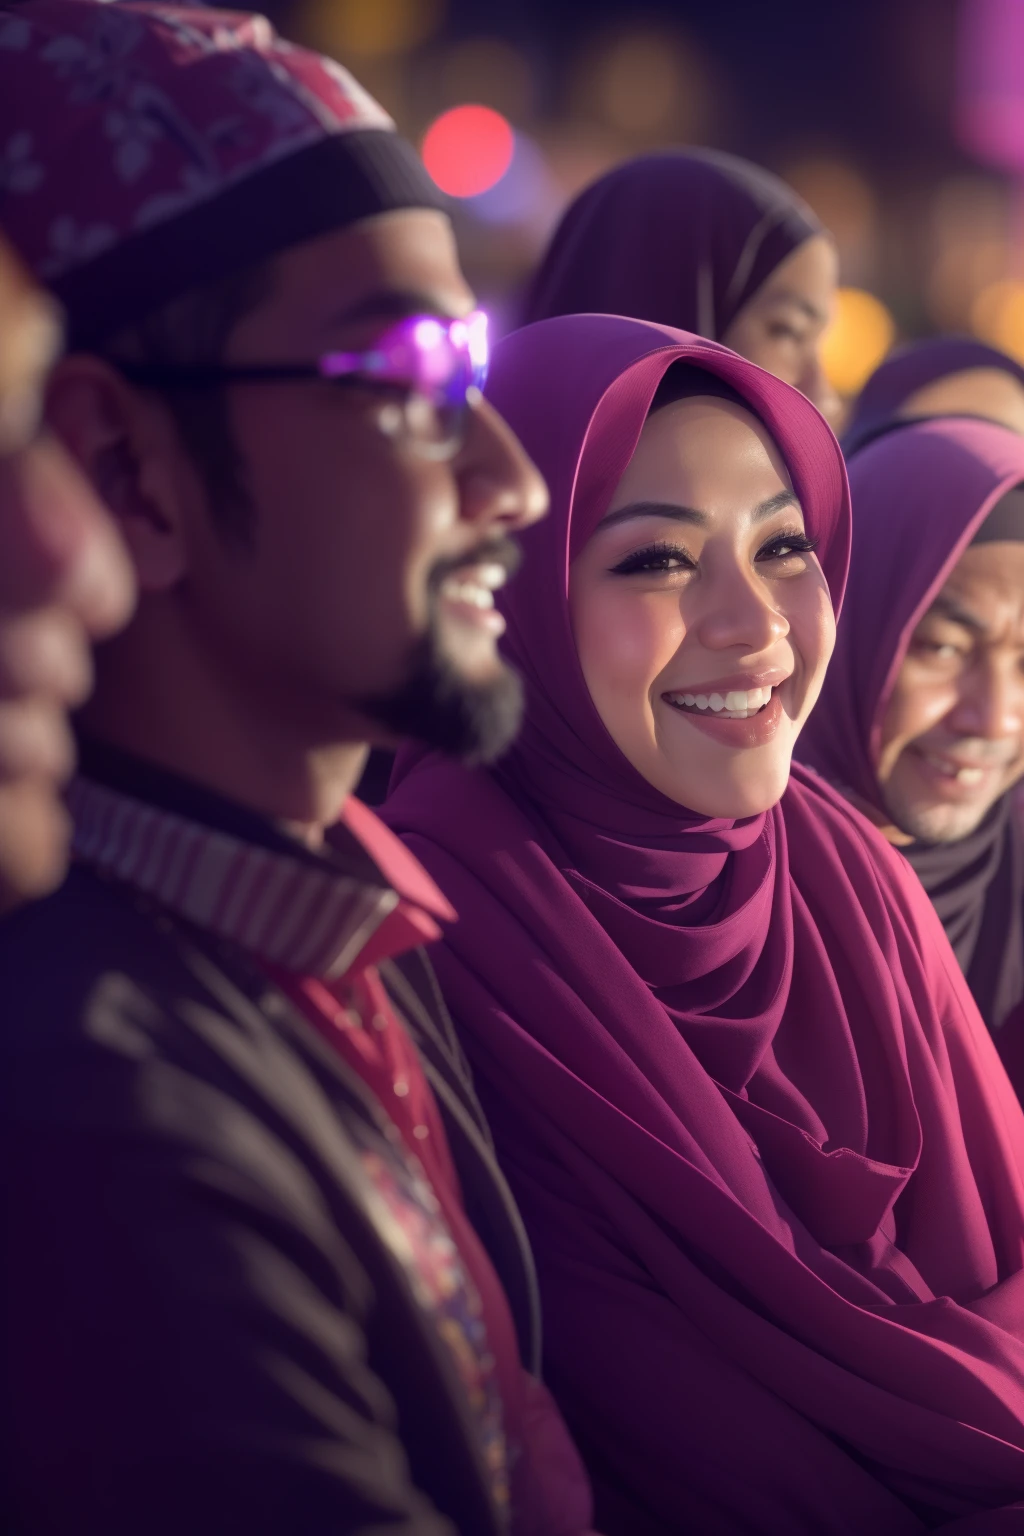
x,y
438,366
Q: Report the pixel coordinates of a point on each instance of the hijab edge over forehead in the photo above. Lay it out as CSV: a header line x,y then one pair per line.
x,y
914,366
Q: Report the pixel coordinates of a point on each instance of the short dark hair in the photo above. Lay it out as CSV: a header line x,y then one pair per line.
x,y
194,331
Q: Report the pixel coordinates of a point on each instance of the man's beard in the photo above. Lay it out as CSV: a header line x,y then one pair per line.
x,y
436,705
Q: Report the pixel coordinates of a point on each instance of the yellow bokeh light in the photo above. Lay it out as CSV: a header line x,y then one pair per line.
x,y
861,333
368,29
997,316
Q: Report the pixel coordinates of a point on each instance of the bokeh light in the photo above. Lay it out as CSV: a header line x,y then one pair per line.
x,y
468,150
357,30
861,333
997,316
650,85
526,195
991,84
846,204
967,233
490,71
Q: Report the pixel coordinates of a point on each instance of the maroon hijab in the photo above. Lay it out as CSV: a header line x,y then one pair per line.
x,y
684,238
754,1122
922,493
909,369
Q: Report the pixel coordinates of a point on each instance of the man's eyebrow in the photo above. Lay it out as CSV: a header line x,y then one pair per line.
x,y
393,304
948,608
680,514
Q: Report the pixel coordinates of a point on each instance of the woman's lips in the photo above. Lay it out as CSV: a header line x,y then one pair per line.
x,y
731,728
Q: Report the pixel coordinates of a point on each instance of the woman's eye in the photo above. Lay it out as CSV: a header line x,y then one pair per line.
x,y
780,331
656,559
786,546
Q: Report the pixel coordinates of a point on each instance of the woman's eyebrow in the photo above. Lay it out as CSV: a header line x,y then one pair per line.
x,y
680,514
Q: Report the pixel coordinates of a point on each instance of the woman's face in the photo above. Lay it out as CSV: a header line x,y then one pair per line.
x,y
782,326
701,616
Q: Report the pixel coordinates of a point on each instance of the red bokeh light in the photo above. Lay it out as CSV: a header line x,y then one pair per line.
x,y
468,150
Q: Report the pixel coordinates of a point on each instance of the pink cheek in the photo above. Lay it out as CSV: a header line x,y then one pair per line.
x,y
812,630
628,644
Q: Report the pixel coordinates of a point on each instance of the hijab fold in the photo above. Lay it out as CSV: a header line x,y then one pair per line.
x,y
685,235
771,1168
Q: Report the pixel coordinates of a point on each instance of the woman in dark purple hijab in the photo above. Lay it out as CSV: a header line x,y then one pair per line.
x,y
921,718
771,1166
941,376
708,243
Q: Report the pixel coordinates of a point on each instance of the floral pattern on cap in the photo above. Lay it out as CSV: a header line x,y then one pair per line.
x,y
115,117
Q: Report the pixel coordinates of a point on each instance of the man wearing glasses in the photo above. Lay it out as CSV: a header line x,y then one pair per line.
x,y
261,1271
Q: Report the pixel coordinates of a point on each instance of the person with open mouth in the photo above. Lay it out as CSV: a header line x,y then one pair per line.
x,y
771,1166
921,719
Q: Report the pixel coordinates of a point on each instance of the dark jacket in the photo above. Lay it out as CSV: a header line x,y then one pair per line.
x,y
203,1330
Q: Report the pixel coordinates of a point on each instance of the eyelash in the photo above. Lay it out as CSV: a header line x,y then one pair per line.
x,y
653,559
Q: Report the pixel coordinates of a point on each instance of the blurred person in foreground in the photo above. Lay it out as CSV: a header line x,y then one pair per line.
x,y
705,242
940,376
241,1287
921,718
64,580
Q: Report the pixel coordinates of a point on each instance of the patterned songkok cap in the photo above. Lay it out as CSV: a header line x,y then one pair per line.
x,y
147,149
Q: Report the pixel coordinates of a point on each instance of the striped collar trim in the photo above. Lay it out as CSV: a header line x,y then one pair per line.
x,y
310,919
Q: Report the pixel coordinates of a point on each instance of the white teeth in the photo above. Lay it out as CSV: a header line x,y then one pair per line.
x,y
736,703
492,576
951,771
470,592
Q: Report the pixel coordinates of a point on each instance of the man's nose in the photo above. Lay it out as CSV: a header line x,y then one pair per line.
x,y
500,486
991,703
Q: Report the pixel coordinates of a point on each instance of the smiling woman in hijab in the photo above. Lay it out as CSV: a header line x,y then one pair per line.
x,y
768,1158
921,719
706,242
941,376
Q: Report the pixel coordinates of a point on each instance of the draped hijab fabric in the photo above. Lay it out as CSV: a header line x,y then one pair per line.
x,y
911,368
682,237
922,493
771,1168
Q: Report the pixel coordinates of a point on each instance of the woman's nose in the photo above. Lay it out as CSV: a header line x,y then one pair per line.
x,y
740,614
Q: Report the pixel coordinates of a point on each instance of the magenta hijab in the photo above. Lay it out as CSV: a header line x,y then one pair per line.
x,y
684,237
909,369
768,1161
922,493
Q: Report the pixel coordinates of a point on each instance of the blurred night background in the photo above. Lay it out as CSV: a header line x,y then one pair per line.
x,y
900,121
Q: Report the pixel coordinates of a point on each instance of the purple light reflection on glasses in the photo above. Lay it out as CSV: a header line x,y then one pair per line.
x,y
440,359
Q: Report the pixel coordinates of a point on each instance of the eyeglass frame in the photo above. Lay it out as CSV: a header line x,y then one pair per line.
x,y
355,369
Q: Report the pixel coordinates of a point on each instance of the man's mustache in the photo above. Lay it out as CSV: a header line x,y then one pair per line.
x,y
499,551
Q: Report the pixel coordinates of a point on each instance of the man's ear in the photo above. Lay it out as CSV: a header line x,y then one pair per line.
x,y
125,442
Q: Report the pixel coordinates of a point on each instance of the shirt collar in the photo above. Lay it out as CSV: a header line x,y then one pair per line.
x,y
363,899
